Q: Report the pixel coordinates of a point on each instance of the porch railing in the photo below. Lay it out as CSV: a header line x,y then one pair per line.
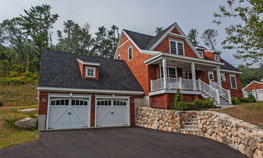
x,y
222,91
186,84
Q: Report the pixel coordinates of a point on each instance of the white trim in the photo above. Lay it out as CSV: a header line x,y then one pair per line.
x,y
202,52
223,74
189,59
119,57
230,71
209,73
130,47
67,96
176,43
90,90
91,68
88,63
132,41
251,83
112,97
150,52
174,91
116,51
217,57
123,43
231,81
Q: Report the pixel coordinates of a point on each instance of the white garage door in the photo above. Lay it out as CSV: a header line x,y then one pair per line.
x,y
260,95
69,113
112,112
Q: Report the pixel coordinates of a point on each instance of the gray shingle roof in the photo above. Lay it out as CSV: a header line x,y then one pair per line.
x,y
61,70
228,66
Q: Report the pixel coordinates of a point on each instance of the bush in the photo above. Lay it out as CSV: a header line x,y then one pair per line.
x,y
208,103
245,100
178,99
251,97
198,103
235,101
10,121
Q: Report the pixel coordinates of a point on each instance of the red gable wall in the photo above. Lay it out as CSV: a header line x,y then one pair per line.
x,y
164,47
175,31
254,85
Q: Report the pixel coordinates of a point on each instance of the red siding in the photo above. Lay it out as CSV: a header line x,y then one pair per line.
x,y
227,85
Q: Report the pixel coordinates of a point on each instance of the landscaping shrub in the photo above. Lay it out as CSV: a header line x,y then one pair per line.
x,y
245,100
178,101
251,97
10,121
235,101
208,103
198,103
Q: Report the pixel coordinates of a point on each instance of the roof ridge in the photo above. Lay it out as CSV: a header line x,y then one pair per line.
x,y
55,51
138,33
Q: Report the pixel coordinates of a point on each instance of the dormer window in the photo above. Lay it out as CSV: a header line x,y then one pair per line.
x,y
217,57
176,47
201,53
90,71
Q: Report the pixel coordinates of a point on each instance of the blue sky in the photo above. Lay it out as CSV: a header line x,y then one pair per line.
x,y
137,15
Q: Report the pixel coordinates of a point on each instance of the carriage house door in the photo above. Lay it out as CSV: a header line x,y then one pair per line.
x,y
112,112
68,113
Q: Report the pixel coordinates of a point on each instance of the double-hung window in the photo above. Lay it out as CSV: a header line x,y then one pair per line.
x,y
171,72
223,77
176,47
217,57
233,81
211,75
130,53
90,72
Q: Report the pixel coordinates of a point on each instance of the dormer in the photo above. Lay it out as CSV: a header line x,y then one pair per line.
x,y
213,55
89,70
200,50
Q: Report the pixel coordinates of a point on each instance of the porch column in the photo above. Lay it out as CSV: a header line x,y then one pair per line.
x,y
218,75
164,73
193,76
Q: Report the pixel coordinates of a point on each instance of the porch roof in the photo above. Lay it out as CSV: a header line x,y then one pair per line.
x,y
157,58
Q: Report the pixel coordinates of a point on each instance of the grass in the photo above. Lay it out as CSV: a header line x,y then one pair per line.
x,y
250,112
15,98
18,95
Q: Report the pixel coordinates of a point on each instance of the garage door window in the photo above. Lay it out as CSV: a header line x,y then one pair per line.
x,y
59,102
119,103
76,102
104,103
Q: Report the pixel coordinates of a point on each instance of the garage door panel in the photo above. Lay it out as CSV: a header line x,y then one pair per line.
x,y
68,113
112,112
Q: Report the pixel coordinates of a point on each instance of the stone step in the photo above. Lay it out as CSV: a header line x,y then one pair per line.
x,y
192,130
192,122
190,127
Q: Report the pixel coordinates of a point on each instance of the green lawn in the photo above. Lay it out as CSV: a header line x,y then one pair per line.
x,y
14,98
250,112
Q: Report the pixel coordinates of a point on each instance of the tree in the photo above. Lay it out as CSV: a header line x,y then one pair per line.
x,y
68,27
37,22
246,35
106,41
209,38
192,36
158,30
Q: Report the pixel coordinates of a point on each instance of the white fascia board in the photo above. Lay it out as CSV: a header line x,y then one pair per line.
x,y
190,59
116,52
132,41
231,71
89,90
88,63
150,52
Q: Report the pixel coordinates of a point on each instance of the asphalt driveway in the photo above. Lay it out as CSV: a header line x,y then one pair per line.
x,y
119,143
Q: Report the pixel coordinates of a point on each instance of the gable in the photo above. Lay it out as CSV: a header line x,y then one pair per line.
x,y
254,85
176,31
124,38
164,46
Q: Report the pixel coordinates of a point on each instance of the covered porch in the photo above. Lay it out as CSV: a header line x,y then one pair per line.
x,y
190,75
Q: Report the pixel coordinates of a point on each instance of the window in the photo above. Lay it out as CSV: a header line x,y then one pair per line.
x,y
90,72
216,57
201,53
223,77
233,81
130,53
211,75
119,57
171,72
176,47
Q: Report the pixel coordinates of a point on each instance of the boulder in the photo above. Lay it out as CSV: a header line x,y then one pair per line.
x,y
28,110
27,123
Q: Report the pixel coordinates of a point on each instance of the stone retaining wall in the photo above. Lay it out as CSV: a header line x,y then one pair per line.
x,y
237,134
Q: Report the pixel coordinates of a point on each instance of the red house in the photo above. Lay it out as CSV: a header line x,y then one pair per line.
x,y
168,61
256,88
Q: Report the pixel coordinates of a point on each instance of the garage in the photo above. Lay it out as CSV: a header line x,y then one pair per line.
x,y
112,112
68,113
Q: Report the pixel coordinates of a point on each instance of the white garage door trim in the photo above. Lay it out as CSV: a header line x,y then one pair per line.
x,y
112,97
50,95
